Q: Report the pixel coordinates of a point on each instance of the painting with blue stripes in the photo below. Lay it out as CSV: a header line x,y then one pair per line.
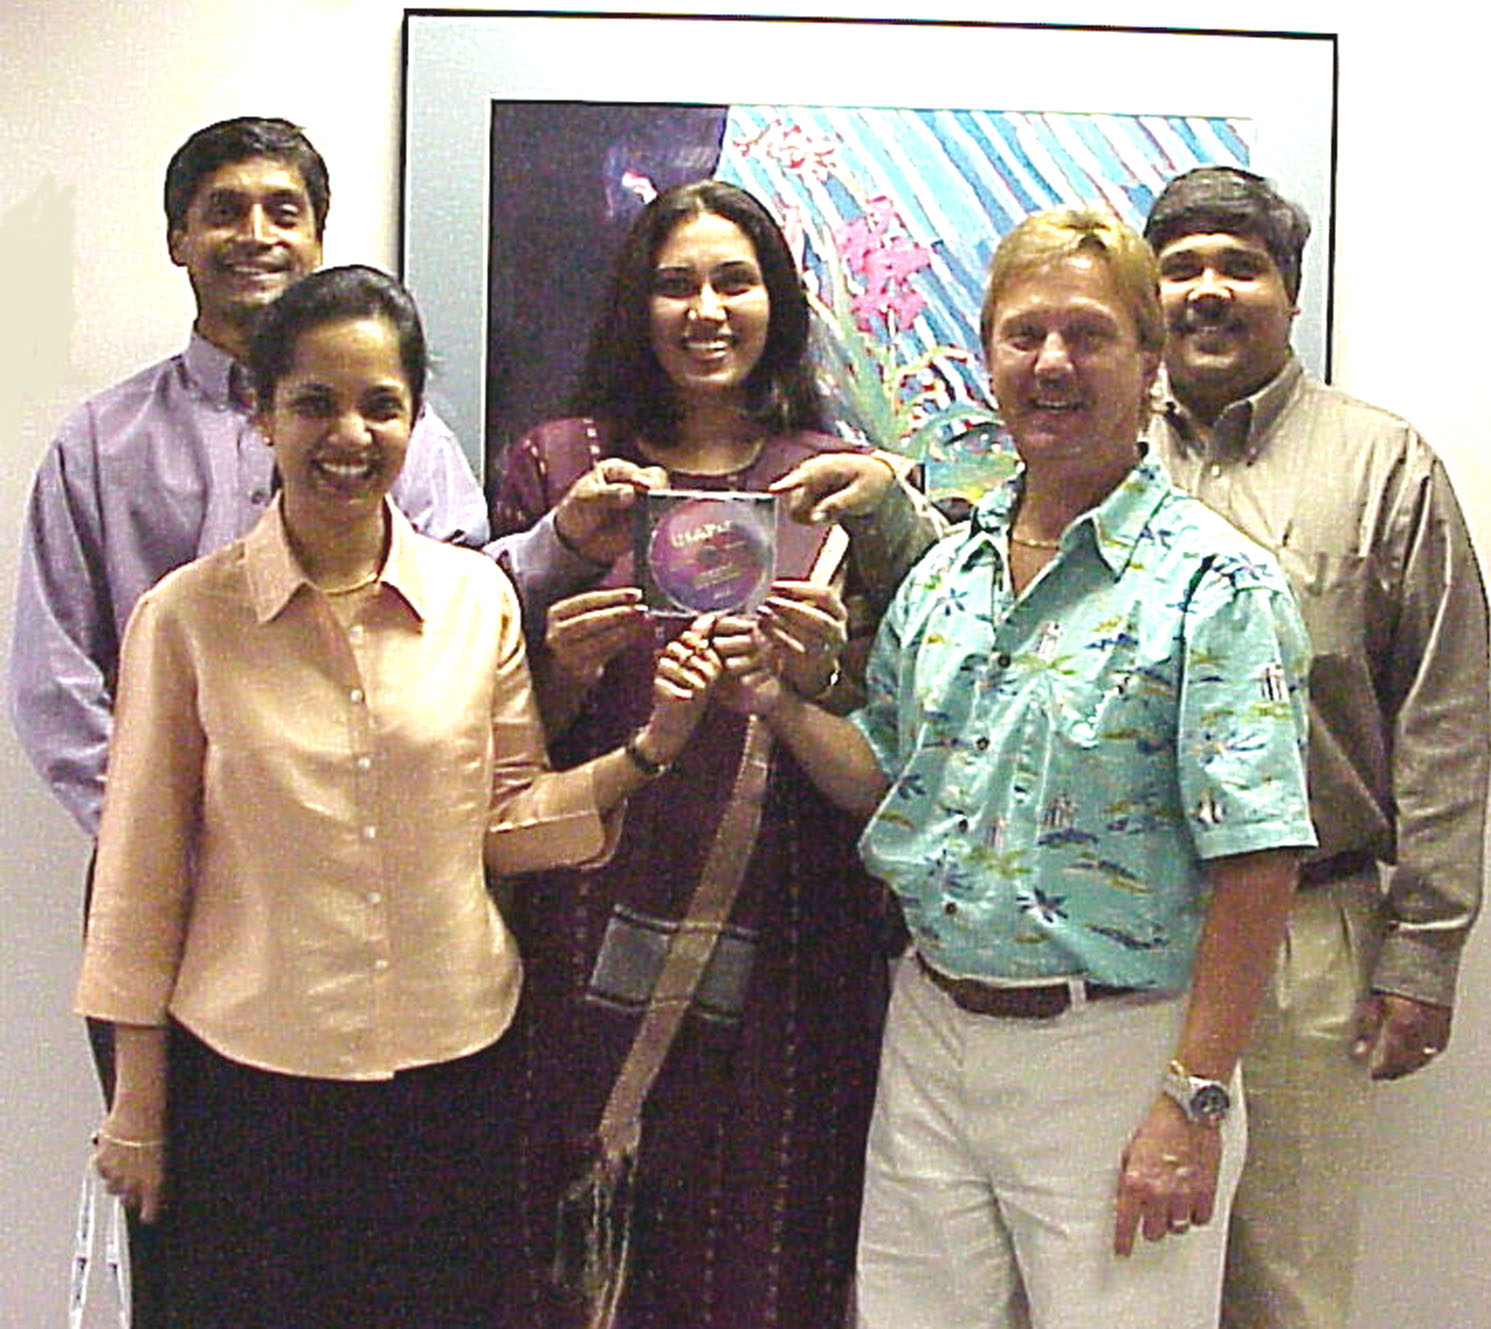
x,y
894,215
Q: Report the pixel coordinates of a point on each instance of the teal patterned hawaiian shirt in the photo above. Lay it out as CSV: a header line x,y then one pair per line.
x,y
1062,762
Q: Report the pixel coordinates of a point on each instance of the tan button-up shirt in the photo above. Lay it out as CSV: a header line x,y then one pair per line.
x,y
1362,517
290,860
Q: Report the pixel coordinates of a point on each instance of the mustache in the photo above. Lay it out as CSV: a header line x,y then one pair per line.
x,y
252,256
1203,319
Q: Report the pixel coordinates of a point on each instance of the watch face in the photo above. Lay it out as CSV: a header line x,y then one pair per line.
x,y
1210,1104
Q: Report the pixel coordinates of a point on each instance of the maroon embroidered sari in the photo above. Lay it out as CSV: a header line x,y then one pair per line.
x,y
754,1133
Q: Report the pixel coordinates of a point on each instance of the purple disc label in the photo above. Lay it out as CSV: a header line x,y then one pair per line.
x,y
711,555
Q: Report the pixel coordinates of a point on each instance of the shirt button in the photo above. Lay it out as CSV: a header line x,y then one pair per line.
x,y
380,964
1216,470
364,763
355,696
369,832
355,632
962,823
375,897
982,743
259,497
951,907
1002,659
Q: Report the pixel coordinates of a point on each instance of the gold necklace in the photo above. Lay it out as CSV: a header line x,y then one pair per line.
x,y
1034,544
356,586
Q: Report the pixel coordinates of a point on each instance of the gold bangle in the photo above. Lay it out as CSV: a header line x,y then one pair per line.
x,y
102,1136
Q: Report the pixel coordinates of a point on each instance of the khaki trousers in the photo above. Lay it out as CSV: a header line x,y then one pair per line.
x,y
993,1165
1293,1235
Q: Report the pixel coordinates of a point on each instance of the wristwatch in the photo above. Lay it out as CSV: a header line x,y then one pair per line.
x,y
1205,1102
649,768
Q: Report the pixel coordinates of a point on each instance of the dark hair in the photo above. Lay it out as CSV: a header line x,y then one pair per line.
x,y
330,296
622,382
1231,200
237,140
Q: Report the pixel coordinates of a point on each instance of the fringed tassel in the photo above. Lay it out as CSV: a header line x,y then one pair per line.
x,y
592,1251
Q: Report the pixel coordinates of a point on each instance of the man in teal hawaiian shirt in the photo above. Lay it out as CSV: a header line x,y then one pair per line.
x,y
1082,762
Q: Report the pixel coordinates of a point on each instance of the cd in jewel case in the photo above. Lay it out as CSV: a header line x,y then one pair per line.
x,y
704,551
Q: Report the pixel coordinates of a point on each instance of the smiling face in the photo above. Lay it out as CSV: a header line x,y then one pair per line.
x,y
1067,369
1228,315
709,310
249,233
339,424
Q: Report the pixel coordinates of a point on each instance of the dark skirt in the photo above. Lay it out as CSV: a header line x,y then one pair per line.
x,y
297,1203
753,1141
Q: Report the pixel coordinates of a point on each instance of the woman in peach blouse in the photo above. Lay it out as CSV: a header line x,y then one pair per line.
x,y
325,731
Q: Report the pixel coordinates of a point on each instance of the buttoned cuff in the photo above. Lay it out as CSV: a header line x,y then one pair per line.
x,y
1418,964
121,991
554,823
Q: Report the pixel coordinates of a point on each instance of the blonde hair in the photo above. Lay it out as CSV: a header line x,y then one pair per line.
x,y
1059,233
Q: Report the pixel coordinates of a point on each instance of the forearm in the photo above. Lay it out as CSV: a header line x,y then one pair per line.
x,y
543,569
886,543
560,694
64,723
63,653
138,1112
1433,890
533,815
1435,696
1168,1177
615,777
832,752
1245,919
566,818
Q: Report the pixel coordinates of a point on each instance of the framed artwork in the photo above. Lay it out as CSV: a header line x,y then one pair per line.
x,y
894,154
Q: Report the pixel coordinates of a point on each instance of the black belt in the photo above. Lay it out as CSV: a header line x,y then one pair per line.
x,y
1043,1002
1348,863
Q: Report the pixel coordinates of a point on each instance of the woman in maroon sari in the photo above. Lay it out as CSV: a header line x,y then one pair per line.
x,y
750,1162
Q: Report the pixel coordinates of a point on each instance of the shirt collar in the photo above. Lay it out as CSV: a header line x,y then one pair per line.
x,y
1244,426
216,374
1117,523
275,574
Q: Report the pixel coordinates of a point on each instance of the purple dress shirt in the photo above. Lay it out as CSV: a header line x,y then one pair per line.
x,y
142,478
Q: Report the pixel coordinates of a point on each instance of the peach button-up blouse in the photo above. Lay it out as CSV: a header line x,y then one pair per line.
x,y
291,857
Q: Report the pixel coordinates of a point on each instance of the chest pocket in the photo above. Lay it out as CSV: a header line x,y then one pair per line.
x,y
1332,588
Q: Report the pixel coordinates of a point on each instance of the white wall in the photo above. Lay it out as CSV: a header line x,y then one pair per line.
x,y
96,95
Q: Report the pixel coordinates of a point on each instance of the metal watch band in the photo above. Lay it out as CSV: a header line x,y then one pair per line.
x,y
1205,1102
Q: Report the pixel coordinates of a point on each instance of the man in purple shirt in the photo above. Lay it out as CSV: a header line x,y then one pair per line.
x,y
167,466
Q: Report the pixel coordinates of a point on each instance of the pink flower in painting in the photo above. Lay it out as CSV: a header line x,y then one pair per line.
x,y
877,250
792,148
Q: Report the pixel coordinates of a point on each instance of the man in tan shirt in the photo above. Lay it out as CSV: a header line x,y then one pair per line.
x,y
1363,519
